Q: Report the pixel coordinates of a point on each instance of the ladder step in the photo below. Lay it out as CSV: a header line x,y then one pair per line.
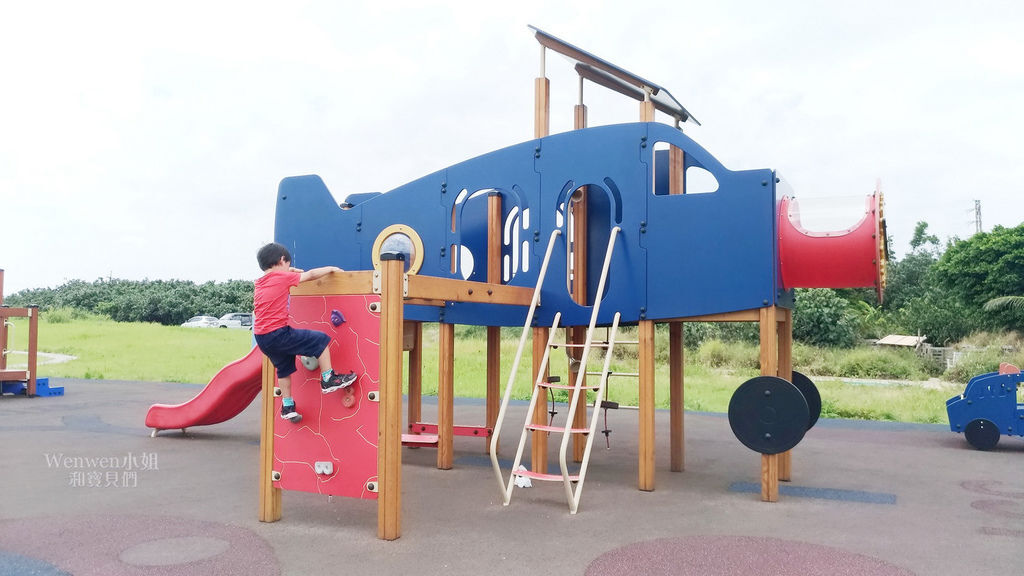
x,y
629,374
592,345
546,428
568,386
545,477
419,439
601,344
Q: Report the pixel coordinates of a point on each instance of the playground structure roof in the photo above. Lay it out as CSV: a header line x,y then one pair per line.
x,y
604,73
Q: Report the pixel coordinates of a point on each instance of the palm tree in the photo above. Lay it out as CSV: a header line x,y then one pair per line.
x,y
1015,303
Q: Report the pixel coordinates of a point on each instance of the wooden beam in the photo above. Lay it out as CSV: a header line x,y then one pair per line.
x,y
454,290
359,282
389,432
538,438
676,357
445,395
753,315
646,405
269,509
769,367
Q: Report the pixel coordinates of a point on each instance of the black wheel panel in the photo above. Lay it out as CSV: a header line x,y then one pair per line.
x,y
982,434
811,395
768,414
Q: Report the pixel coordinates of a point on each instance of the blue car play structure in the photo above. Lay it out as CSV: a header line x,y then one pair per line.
x,y
989,407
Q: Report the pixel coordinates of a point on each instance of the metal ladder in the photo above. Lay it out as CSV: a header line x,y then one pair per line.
x,y
579,389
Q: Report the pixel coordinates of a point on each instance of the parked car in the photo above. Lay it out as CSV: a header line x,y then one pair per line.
x,y
202,322
236,320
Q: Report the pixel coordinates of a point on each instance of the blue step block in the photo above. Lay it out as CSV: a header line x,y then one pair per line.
x,y
42,388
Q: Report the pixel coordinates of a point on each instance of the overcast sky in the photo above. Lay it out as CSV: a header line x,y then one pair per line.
x,y
146,140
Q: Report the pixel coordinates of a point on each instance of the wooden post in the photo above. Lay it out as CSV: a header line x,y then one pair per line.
x,y
445,395
541,128
676,185
33,350
578,335
541,107
769,367
539,438
415,373
676,357
647,108
676,171
389,432
3,326
269,496
646,402
786,373
494,232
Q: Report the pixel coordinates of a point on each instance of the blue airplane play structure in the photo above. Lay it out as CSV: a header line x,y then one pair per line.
x,y
622,200
988,408
679,256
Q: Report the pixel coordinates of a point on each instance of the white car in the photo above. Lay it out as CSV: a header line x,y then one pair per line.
x,y
236,320
201,322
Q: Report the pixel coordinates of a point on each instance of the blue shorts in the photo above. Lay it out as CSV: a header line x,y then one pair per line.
x,y
284,344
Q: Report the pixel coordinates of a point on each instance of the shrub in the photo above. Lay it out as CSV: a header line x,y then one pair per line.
x,y
822,318
873,363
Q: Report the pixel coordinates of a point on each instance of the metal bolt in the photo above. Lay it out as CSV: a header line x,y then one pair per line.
x,y
767,435
767,392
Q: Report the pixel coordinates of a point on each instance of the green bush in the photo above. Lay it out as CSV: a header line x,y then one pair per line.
x,y
822,318
64,315
734,355
873,363
974,363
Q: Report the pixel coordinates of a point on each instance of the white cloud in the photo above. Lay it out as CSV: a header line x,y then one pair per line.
x,y
123,122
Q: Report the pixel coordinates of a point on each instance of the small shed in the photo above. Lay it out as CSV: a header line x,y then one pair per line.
x,y
902,341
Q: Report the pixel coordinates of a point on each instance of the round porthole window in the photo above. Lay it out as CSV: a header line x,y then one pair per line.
x,y
402,239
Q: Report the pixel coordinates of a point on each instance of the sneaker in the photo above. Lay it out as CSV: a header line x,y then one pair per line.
x,y
289,413
337,382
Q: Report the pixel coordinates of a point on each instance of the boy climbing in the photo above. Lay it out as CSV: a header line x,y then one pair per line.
x,y
282,343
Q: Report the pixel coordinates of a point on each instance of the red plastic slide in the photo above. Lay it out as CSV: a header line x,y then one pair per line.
x,y
229,392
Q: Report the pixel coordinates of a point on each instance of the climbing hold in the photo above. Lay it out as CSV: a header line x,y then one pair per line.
x,y
336,318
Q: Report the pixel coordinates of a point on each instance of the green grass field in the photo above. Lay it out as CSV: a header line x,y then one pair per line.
x,y
150,352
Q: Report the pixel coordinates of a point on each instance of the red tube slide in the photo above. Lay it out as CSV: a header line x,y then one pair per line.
x,y
852,258
230,391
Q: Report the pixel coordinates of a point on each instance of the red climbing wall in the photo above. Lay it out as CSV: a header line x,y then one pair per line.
x,y
333,450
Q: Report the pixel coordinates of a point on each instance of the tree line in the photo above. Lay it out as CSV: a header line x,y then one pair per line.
x,y
169,302
937,289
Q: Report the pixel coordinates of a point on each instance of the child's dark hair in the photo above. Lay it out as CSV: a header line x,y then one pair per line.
x,y
271,254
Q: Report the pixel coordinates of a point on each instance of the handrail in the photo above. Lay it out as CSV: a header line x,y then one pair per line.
x,y
515,366
581,375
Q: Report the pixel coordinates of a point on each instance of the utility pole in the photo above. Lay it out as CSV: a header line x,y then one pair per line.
x,y
977,216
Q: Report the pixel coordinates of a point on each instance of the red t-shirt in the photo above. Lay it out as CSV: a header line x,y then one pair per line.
x,y
270,300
